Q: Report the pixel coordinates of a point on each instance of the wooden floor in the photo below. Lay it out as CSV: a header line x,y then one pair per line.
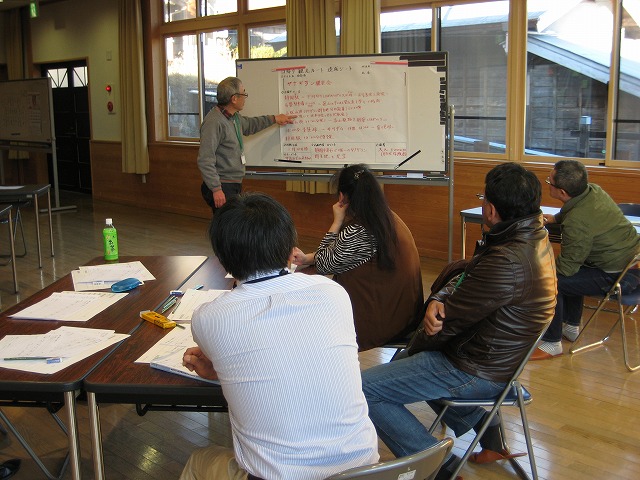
x,y
585,417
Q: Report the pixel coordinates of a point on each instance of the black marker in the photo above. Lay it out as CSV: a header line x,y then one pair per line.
x,y
406,160
287,161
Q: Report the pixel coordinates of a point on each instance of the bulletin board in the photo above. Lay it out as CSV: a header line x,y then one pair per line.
x,y
25,111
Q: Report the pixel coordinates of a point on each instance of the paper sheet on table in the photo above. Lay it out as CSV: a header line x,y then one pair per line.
x,y
99,277
70,306
167,354
190,301
70,344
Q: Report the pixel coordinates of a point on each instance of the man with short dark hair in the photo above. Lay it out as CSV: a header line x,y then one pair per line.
x,y
477,328
284,349
221,156
597,244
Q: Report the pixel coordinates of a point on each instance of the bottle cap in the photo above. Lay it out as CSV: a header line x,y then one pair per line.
x,y
109,221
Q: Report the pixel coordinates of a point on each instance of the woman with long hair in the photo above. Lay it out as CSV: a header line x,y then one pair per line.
x,y
372,254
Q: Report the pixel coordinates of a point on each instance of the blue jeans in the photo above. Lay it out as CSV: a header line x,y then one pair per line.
x,y
422,377
571,292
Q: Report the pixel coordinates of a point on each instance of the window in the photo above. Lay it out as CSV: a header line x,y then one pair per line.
x,y
627,122
475,35
201,45
568,60
268,41
406,31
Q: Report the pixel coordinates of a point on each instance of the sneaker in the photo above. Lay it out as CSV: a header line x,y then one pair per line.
x,y
570,332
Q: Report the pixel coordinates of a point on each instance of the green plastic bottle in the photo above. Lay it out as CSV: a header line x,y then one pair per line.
x,y
110,239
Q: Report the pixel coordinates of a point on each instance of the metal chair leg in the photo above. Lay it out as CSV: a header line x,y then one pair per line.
x,y
33,454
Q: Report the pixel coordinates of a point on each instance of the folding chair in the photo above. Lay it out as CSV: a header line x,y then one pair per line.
x,y
631,209
626,303
514,395
399,344
16,222
423,465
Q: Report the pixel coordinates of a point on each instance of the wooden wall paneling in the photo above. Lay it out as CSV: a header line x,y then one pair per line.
x,y
173,185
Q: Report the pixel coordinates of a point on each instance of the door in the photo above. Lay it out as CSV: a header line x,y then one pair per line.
x,y
70,91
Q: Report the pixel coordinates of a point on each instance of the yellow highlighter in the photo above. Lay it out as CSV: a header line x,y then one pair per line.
x,y
157,319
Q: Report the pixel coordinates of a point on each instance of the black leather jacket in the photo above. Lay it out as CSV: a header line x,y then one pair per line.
x,y
506,299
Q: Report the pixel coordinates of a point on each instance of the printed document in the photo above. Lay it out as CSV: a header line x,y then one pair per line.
x,y
167,354
70,306
51,352
99,277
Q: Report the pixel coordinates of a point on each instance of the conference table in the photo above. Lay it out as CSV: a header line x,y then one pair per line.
x,y
5,212
119,380
22,194
58,390
474,215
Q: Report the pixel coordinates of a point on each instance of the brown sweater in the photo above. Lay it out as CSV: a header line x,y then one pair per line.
x,y
386,302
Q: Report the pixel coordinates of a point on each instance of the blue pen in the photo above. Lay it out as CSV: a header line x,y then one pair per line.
x,y
167,305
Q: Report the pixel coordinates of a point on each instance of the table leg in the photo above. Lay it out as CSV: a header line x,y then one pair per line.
x,y
74,443
50,222
463,237
36,208
13,252
96,437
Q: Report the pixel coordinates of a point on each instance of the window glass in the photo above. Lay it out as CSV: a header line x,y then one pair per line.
x,y
268,41
182,86
475,35
59,78
219,55
217,7
257,4
568,60
406,31
81,77
627,141
175,10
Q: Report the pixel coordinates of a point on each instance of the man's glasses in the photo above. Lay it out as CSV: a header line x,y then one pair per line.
x,y
245,95
548,182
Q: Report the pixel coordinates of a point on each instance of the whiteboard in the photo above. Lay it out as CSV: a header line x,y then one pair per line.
x,y
374,109
25,110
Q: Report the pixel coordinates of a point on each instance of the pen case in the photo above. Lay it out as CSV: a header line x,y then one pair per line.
x,y
125,285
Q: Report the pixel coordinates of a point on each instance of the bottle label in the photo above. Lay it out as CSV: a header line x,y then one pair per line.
x,y
110,245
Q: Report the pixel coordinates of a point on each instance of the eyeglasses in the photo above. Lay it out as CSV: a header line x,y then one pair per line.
x,y
548,182
480,196
245,95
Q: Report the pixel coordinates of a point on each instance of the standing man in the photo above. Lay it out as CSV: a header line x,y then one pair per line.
x,y
221,156
597,244
478,327
284,349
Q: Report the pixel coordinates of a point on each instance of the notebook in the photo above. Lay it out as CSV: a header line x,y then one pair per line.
x,y
172,363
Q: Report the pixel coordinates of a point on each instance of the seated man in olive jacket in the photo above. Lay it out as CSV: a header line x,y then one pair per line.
x,y
478,328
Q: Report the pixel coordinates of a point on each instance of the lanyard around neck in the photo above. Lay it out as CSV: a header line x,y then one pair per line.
x,y
262,279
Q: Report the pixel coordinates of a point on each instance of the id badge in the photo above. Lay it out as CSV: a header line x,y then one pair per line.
x,y
243,159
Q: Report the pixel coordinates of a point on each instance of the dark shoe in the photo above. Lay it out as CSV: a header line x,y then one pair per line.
x,y
447,469
9,468
490,456
542,355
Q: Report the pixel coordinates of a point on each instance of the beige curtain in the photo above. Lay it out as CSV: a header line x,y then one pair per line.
x,y
311,28
311,31
360,27
14,46
15,52
135,155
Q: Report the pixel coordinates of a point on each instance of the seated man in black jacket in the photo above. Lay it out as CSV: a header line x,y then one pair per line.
x,y
478,328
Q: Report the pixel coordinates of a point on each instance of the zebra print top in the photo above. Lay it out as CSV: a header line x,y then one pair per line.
x,y
345,250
